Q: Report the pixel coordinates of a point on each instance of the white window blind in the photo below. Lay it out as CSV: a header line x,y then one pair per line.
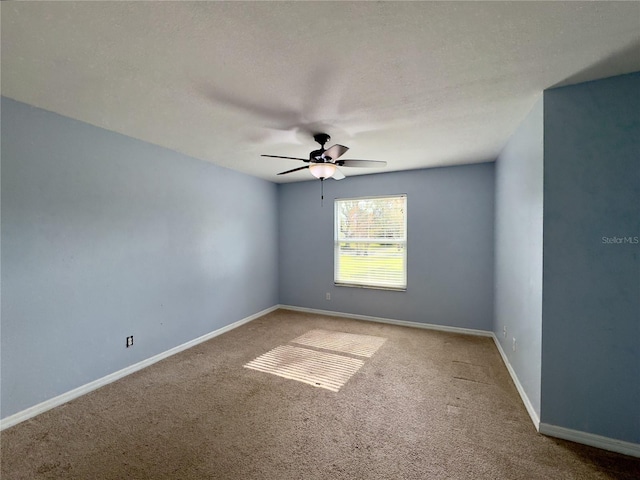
x,y
370,242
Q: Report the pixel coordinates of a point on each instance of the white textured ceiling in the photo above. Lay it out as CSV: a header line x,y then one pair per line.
x,y
417,84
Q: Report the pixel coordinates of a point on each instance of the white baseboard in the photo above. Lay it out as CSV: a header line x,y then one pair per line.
x,y
403,323
523,395
31,412
598,441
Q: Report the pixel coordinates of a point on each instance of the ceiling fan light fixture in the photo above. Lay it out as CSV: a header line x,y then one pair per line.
x,y
322,170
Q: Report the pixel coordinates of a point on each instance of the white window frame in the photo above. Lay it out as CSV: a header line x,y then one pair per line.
x,y
373,282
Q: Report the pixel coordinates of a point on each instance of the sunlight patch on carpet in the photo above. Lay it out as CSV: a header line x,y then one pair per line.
x,y
320,369
362,345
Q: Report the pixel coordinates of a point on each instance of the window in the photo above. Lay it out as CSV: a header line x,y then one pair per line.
x,y
370,242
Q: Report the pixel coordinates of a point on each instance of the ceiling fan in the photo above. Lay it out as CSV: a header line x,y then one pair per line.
x,y
324,163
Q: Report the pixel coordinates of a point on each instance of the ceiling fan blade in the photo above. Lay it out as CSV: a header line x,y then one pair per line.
x,y
338,175
335,151
293,170
361,163
289,158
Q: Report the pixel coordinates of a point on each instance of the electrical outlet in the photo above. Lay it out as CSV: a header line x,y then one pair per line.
x,y
515,344
130,341
328,296
504,331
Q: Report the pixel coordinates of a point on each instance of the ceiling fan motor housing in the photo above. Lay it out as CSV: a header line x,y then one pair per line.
x,y
317,156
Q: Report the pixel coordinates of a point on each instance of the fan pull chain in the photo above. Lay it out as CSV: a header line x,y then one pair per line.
x,y
322,192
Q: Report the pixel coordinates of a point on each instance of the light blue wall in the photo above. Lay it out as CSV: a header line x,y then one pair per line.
x,y
518,251
104,236
450,246
591,290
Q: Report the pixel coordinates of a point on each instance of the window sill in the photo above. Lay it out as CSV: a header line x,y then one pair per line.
x,y
371,287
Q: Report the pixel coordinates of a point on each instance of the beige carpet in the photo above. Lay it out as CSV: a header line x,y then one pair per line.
x,y
425,405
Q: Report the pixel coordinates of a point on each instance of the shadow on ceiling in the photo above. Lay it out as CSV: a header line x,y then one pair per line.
x,y
625,60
